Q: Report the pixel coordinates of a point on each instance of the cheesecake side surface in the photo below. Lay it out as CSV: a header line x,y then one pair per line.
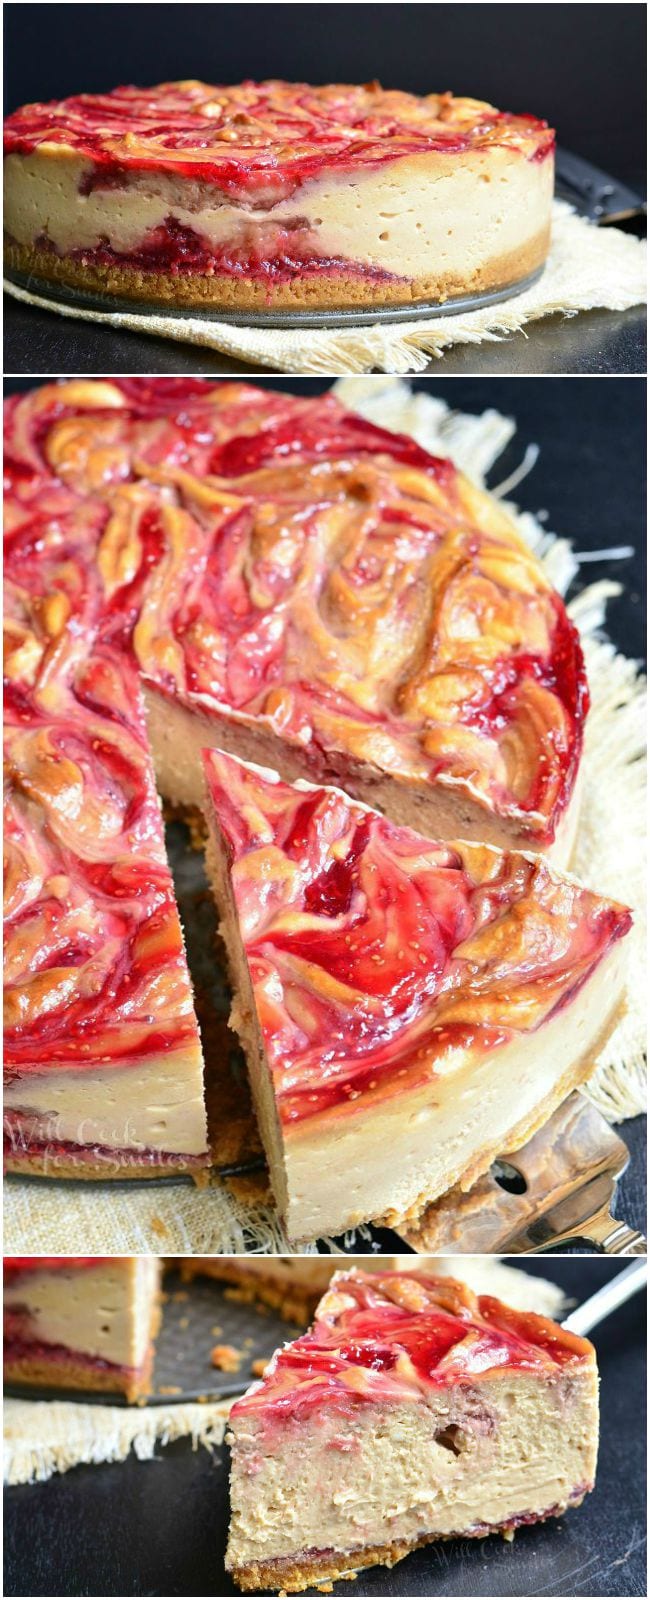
x,y
81,1322
275,194
393,994
411,1411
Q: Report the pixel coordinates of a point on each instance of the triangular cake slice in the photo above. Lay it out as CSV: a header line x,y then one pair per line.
x,y
103,1063
409,1009
411,1411
81,1322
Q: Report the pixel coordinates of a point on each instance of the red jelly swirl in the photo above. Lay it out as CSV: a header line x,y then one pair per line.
x,y
389,1337
262,140
13,1265
375,953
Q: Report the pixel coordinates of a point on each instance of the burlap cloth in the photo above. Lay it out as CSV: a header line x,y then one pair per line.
x,y
588,268
42,1437
177,1219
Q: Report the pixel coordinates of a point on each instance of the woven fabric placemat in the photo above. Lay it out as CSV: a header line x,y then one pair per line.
x,y
42,1437
180,1219
587,268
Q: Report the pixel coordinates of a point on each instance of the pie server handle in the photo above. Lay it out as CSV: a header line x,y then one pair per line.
x,y
615,1238
605,1300
594,193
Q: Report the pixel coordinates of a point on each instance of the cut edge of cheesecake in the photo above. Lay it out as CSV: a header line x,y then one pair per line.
x,y
446,810
61,1366
419,1451
30,1146
411,1199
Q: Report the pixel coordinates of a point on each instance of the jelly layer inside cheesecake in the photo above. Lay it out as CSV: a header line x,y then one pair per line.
x,y
411,1411
276,252
21,1354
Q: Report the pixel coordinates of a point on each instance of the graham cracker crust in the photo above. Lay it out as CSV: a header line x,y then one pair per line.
x,y
294,1574
325,290
73,1374
43,1165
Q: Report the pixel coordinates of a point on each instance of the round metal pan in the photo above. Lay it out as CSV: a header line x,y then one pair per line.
x,y
282,320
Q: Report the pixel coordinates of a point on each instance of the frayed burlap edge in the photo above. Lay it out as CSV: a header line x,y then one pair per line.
x,y
42,1437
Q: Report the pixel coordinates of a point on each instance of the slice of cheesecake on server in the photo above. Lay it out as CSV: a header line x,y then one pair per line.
x,y
409,1009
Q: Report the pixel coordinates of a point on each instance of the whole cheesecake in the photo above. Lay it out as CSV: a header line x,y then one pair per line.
x,y
279,579
277,195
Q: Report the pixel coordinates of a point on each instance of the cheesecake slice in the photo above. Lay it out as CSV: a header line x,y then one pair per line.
x,y
411,1411
409,1010
102,1057
77,1322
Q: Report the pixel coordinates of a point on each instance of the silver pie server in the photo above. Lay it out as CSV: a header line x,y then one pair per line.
x,y
558,1189
607,1299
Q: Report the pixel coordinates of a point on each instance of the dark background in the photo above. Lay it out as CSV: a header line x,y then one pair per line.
x,y
582,68
159,1527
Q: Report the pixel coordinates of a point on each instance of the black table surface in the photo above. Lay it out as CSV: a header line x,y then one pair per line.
x,y
43,342
159,1527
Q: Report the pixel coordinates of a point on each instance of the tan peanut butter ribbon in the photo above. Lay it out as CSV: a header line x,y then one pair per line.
x,y
609,857
588,268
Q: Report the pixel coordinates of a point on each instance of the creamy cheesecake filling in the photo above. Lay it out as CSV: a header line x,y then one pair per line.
x,y
452,1465
178,736
423,215
103,1312
154,1104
